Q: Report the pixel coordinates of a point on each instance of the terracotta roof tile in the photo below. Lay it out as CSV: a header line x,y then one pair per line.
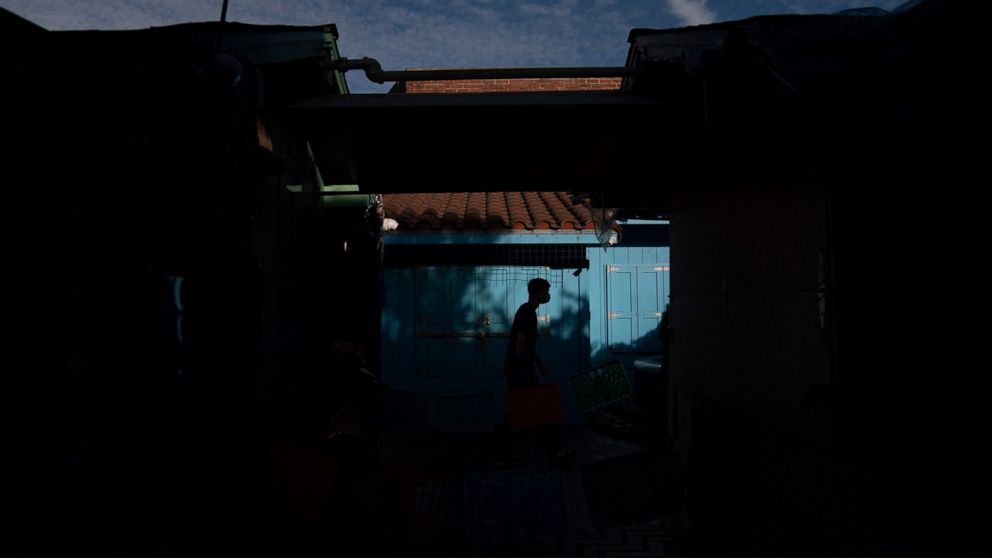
x,y
493,210
487,210
497,215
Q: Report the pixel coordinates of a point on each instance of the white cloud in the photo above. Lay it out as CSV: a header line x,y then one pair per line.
x,y
561,9
435,33
691,12
112,14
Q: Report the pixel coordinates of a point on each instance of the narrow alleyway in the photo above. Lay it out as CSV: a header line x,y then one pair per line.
x,y
430,493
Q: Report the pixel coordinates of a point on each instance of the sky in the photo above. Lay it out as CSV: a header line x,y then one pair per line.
x,y
440,34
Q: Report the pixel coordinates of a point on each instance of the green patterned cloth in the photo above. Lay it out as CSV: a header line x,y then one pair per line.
x,y
601,386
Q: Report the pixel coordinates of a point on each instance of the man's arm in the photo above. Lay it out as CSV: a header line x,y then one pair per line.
x,y
521,342
540,365
522,348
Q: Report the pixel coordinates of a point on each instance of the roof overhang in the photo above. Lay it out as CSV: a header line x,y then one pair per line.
x,y
598,140
584,237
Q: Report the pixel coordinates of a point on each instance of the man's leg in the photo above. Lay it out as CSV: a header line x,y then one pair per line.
x,y
551,440
505,450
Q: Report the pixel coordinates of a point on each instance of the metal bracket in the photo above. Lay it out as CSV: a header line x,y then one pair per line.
x,y
821,291
723,292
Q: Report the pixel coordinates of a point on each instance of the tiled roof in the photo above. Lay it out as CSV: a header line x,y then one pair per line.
x,y
493,210
487,210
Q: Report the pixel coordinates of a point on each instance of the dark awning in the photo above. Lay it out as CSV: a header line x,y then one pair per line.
x,y
597,140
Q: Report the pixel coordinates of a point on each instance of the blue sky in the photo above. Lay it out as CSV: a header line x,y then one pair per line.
x,y
435,33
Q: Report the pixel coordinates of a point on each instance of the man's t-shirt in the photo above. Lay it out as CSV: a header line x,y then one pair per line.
x,y
525,322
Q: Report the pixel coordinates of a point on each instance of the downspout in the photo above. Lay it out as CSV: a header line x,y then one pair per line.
x,y
374,72
330,195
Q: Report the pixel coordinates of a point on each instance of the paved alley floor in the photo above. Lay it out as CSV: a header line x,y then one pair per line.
x,y
432,493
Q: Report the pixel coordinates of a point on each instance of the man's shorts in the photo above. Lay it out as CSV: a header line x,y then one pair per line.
x,y
521,374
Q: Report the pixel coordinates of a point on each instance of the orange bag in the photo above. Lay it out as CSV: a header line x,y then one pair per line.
x,y
532,406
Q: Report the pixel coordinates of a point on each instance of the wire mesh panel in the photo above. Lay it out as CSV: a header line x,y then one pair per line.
x,y
550,255
558,256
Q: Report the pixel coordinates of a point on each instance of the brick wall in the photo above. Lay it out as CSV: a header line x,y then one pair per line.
x,y
507,85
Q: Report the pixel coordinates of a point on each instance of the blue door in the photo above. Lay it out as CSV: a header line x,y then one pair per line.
x,y
636,299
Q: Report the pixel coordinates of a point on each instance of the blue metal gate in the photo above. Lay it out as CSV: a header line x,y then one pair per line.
x,y
463,321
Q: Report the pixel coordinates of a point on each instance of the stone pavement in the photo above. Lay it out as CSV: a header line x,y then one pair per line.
x,y
431,493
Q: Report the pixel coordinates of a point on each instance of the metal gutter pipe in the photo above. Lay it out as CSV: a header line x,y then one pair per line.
x,y
375,73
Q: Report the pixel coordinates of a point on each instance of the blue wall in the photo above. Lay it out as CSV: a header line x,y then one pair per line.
x,y
444,334
434,317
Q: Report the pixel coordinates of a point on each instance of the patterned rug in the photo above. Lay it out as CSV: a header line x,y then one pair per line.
x,y
618,542
513,505
631,489
399,502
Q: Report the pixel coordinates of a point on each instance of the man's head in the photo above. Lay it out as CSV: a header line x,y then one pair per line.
x,y
539,290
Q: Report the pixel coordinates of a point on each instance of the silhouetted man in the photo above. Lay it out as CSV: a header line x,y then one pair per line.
x,y
521,360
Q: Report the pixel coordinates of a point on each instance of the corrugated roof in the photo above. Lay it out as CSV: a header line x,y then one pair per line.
x,y
487,211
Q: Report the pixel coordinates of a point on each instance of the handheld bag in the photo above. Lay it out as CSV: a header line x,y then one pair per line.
x,y
532,406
